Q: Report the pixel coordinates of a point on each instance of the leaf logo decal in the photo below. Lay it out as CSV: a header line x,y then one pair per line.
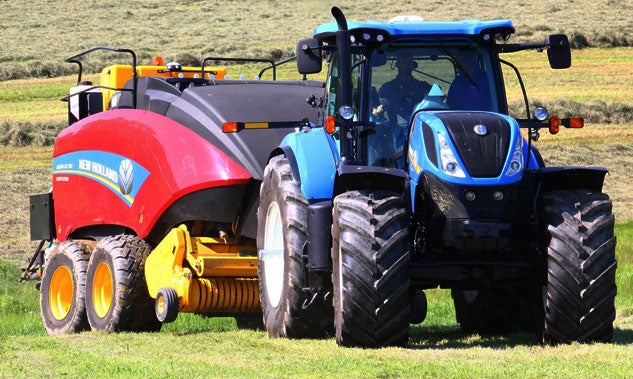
x,y
125,177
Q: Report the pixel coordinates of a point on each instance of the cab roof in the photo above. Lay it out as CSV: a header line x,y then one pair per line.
x,y
415,26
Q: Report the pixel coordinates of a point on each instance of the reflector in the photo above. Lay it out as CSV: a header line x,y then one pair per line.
x,y
330,124
554,124
229,127
573,122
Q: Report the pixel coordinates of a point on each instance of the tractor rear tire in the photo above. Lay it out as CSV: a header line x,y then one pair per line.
x,y
581,265
117,298
63,289
370,256
281,238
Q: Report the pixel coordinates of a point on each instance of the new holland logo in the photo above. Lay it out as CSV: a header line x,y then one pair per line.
x,y
117,173
480,129
126,179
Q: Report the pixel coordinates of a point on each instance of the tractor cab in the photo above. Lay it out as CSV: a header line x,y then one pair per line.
x,y
388,68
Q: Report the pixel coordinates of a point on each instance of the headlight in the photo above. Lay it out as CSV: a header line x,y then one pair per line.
x,y
541,113
498,195
470,196
448,160
516,164
346,112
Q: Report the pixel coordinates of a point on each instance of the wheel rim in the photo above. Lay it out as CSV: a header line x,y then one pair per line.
x,y
60,296
273,255
102,290
160,305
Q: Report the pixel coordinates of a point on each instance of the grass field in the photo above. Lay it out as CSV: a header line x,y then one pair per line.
x,y
37,35
197,347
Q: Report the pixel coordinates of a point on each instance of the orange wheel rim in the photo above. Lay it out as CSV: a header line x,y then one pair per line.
x,y
61,293
102,290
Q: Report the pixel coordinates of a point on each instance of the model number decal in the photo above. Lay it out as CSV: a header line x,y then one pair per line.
x,y
119,174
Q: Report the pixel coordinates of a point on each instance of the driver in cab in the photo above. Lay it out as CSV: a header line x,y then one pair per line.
x,y
400,95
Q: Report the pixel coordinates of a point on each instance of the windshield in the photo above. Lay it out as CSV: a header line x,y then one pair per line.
x,y
401,76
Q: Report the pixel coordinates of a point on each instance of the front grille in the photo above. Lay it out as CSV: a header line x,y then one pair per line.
x,y
483,155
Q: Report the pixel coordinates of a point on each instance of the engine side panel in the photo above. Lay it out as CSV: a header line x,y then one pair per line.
x,y
126,167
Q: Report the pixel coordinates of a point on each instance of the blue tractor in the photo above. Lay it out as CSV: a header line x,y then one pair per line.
x,y
416,177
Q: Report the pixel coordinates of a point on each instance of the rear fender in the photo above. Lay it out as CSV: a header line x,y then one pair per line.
x,y
313,157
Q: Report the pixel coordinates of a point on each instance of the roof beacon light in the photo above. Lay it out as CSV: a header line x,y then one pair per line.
x,y
407,18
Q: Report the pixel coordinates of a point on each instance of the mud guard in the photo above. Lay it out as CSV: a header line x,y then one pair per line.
x,y
552,178
313,158
370,178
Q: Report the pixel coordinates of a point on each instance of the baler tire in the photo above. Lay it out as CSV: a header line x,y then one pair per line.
x,y
63,289
166,305
282,235
581,266
117,298
370,256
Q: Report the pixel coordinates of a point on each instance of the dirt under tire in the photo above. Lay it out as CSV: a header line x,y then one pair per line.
x,y
117,298
370,255
63,289
282,235
581,287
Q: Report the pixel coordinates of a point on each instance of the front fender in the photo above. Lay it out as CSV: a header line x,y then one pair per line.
x,y
370,178
313,157
554,178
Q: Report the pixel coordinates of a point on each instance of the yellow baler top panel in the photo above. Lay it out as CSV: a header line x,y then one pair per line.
x,y
117,75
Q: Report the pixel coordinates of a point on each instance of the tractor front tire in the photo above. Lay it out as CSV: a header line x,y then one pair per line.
x,y
63,289
282,235
117,298
370,256
581,265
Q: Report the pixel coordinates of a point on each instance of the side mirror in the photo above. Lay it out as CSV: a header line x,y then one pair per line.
x,y
559,52
309,58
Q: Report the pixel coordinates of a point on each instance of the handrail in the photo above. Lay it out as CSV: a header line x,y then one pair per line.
x,y
73,59
274,65
269,61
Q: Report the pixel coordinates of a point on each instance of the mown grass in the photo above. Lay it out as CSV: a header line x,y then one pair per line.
x,y
38,34
600,92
